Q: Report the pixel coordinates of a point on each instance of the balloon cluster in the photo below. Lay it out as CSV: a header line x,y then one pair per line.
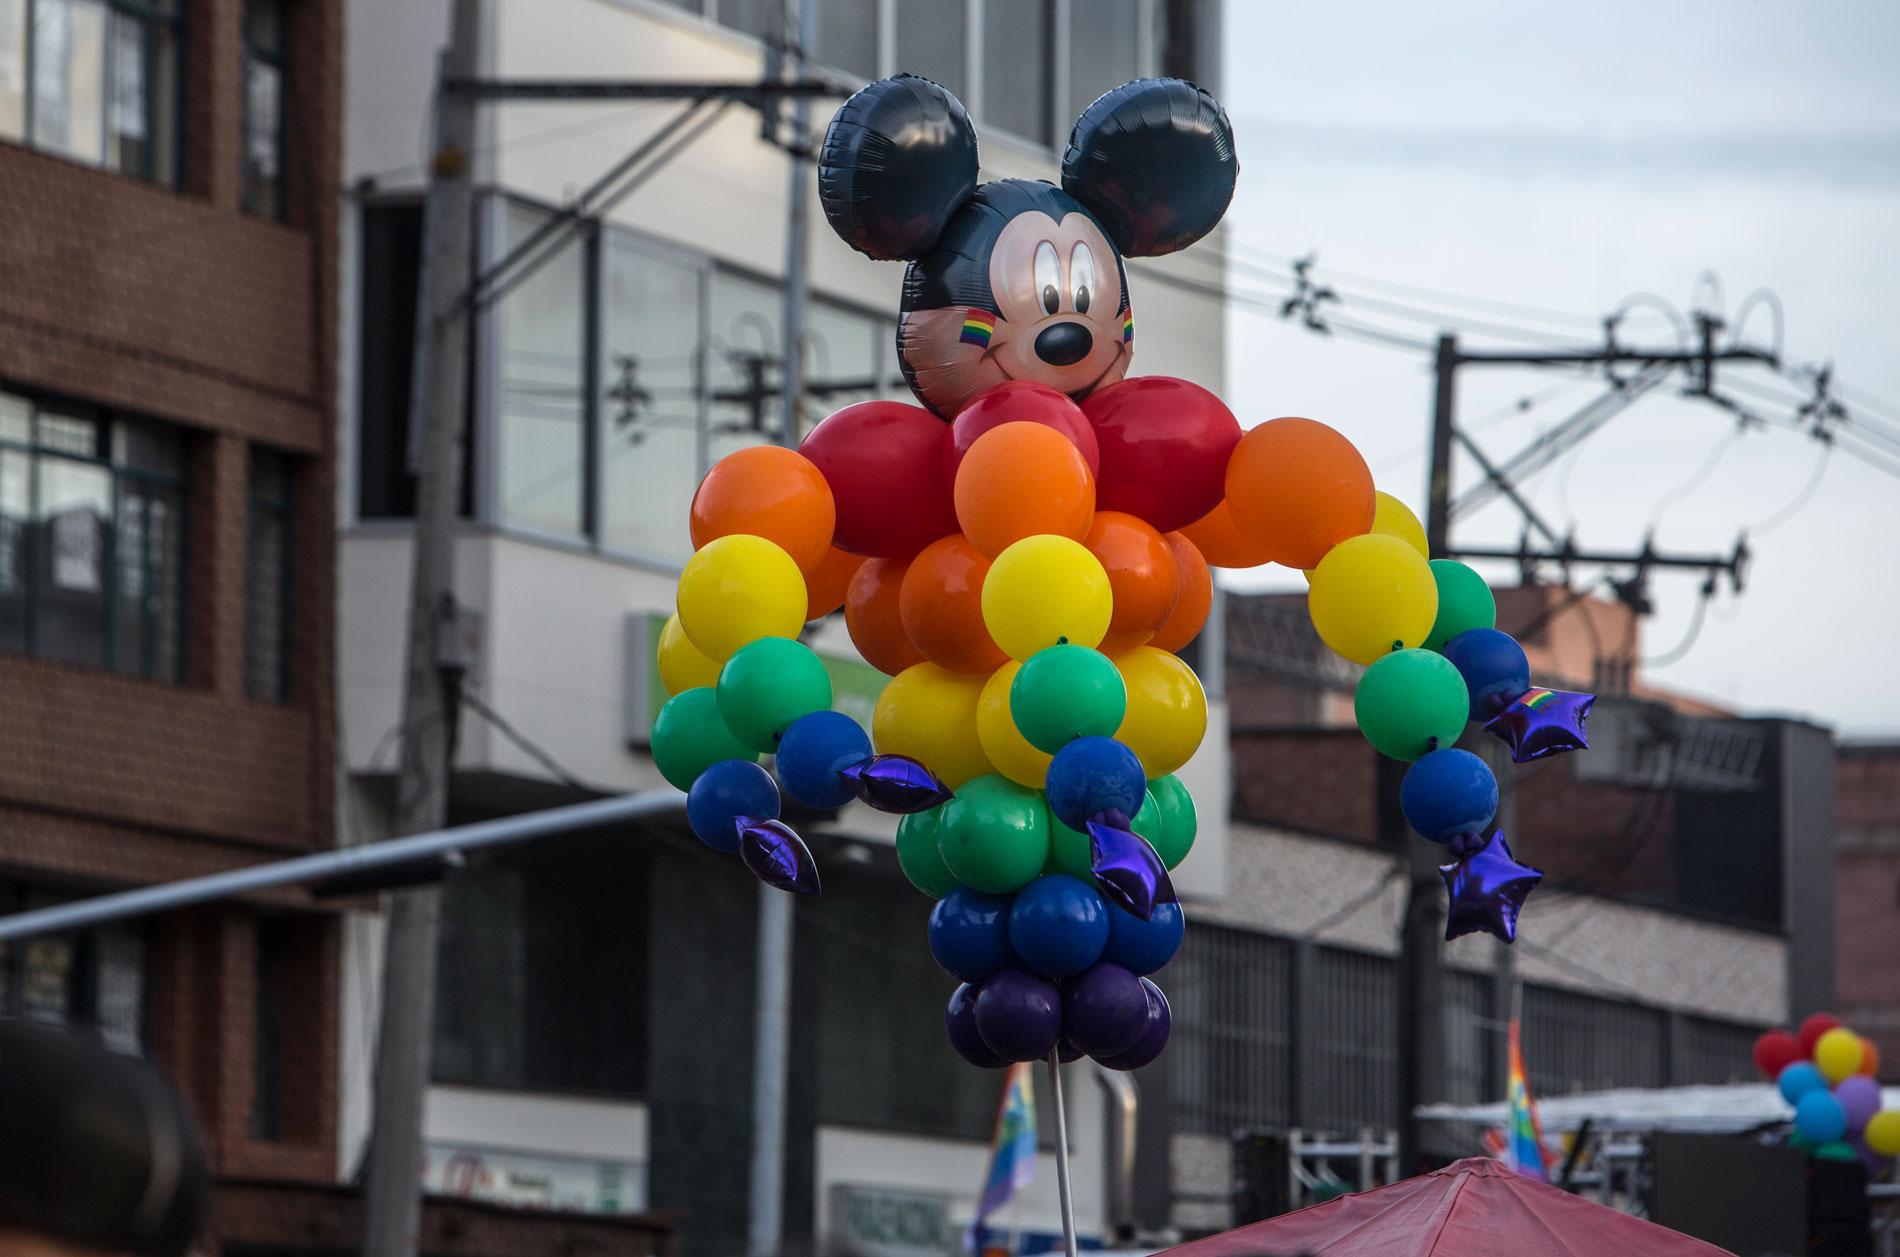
x,y
1829,1074
742,685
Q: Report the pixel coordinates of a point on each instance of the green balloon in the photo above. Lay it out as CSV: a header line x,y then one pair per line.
x,y
1798,1140
1837,1150
994,835
1066,692
690,736
918,856
1069,849
1411,702
1178,823
769,683
1464,602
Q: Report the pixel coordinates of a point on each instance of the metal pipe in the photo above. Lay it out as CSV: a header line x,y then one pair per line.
x,y
1064,1195
1123,1102
500,832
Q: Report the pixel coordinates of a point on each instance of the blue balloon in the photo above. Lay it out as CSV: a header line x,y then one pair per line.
x,y
969,934
1448,794
1493,666
1058,925
722,794
1093,775
812,750
1819,1116
1799,1079
1142,947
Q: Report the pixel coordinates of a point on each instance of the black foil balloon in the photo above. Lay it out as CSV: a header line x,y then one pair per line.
x,y
898,159
1154,160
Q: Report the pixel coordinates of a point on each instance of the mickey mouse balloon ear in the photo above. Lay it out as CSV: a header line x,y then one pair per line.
x,y
898,159
1154,161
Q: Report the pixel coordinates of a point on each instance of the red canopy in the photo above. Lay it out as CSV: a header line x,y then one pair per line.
x,y
1474,1208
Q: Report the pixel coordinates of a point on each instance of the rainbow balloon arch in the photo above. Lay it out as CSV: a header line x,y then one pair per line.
x,y
1023,555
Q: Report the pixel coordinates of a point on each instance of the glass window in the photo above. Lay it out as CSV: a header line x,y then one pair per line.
x,y
847,35
764,18
1016,69
264,107
843,354
92,539
267,1029
931,41
103,81
648,412
267,578
1103,51
386,340
743,346
542,446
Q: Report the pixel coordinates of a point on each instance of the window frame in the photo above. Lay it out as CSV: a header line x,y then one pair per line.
x,y
148,16
105,423
279,59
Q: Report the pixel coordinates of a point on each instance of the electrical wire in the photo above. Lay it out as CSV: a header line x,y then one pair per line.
x,y
1697,478
1681,648
1769,523
1353,905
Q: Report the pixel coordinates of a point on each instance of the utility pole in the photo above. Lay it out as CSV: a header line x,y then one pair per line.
x,y
392,1204
773,1007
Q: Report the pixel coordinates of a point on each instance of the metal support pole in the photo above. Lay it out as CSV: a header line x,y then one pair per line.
x,y
801,30
1438,484
1065,1196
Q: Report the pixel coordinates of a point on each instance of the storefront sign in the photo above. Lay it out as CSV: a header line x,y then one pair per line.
x,y
534,1181
890,1222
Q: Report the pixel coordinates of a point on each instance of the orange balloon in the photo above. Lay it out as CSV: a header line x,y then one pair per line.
x,y
872,616
825,586
1297,489
771,492
1184,623
1220,542
1141,577
1023,480
941,605
1869,1058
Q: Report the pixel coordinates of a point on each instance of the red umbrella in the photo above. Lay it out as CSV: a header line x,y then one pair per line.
x,y
1474,1208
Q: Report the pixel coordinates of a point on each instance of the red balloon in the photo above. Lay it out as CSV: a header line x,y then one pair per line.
x,y
1018,401
1813,1028
884,463
1775,1051
1165,444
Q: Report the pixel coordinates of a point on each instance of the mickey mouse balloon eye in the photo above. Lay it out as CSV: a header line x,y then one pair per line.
x,y
1021,279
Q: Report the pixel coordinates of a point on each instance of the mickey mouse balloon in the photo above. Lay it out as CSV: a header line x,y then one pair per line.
x,y
1020,279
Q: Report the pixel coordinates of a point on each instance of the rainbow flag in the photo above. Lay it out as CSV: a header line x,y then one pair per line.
x,y
1524,1141
1012,1151
1128,326
978,327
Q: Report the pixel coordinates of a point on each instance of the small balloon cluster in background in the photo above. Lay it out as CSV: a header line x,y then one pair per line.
x,y
1830,1074
742,686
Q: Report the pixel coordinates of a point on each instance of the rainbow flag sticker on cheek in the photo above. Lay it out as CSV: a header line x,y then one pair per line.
x,y
1128,326
978,327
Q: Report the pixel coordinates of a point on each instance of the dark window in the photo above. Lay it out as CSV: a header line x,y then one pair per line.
x,y
391,256
1016,89
93,80
265,66
1574,1042
1103,51
92,537
1230,1059
847,35
267,1046
95,979
267,578
932,36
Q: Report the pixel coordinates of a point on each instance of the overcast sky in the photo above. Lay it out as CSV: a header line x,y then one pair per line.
x,y
1561,157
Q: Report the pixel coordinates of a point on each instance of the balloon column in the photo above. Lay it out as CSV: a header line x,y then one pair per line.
x,y
1829,1074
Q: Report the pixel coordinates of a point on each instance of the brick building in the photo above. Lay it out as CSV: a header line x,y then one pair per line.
x,y
1867,895
167,404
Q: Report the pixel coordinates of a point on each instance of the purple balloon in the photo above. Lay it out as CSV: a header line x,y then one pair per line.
x,y
1019,1015
959,1024
1543,722
1104,1010
1127,868
776,855
1487,889
1153,1037
1860,1098
896,784
1067,1052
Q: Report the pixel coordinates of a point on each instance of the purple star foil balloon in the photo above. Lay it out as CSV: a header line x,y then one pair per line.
x,y
776,855
1128,870
1488,889
1543,722
894,783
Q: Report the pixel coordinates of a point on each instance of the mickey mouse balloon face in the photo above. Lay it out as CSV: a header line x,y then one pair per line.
x,y
1022,280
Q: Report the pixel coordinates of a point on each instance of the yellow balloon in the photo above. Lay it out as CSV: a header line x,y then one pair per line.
x,y
736,590
1393,518
1003,743
929,714
1167,710
1882,1134
682,666
1838,1053
1043,590
1371,595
